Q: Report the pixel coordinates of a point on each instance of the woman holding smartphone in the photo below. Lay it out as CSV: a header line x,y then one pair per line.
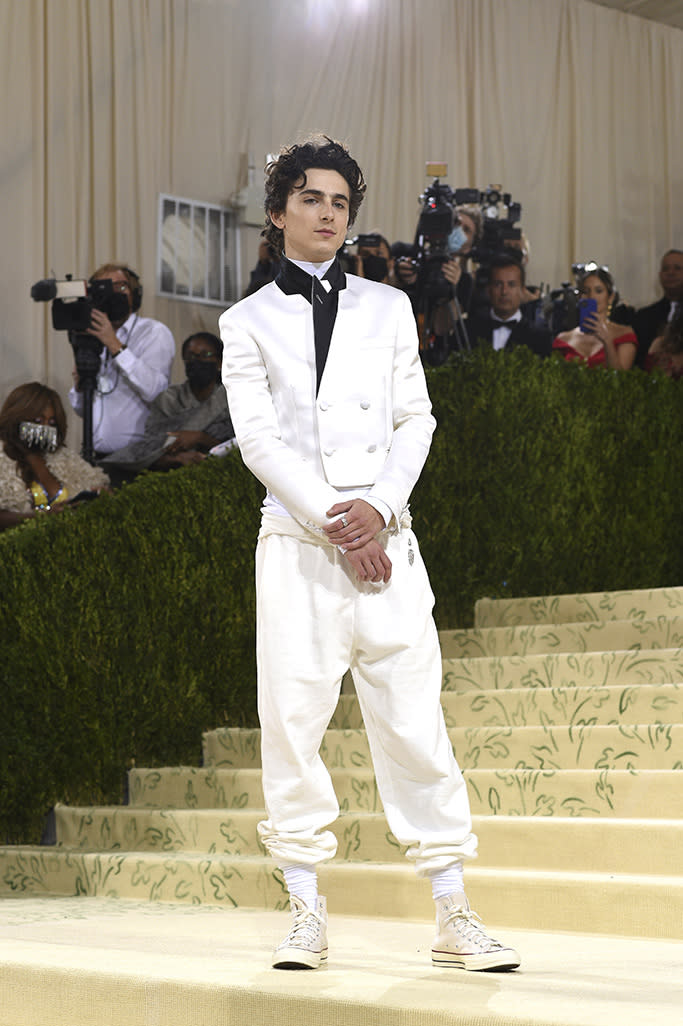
x,y
597,340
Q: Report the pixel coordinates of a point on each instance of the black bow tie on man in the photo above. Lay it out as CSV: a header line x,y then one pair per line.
x,y
323,295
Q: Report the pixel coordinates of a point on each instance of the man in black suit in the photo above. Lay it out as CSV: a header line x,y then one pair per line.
x,y
504,326
650,321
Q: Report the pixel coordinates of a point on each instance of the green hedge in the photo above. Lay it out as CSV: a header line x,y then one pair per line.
x,y
127,626
545,477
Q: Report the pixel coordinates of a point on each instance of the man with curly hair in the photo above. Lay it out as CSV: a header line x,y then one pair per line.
x,y
331,413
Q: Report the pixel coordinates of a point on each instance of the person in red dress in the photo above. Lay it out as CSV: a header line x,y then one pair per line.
x,y
600,342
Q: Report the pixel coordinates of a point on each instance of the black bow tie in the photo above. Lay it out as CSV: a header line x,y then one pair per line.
x,y
294,280
505,324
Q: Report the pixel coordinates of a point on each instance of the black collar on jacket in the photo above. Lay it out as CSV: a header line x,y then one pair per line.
x,y
293,280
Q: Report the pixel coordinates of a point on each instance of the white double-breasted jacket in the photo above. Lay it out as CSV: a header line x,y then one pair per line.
x,y
370,426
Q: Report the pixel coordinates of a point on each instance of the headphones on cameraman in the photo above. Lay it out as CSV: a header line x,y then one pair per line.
x,y
136,288
134,284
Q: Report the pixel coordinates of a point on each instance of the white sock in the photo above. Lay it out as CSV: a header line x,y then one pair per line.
x,y
303,881
446,881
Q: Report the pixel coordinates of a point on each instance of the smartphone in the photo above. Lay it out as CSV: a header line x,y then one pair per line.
x,y
587,307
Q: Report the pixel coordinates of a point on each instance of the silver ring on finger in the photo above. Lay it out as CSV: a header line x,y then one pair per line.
x,y
344,521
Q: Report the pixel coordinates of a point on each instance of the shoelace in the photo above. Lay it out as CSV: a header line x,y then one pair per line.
x,y
306,928
470,927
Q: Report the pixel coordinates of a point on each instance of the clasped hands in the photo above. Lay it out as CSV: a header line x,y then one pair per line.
x,y
355,531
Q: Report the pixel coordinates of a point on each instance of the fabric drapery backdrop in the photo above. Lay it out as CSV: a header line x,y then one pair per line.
x,y
573,107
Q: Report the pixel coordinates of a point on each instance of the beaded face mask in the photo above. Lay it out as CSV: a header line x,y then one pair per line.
x,y
38,436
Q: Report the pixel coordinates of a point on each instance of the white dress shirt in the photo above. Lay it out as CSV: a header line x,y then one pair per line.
x,y
502,329
128,382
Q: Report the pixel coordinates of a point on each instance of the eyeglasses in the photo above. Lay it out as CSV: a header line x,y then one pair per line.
x,y
206,354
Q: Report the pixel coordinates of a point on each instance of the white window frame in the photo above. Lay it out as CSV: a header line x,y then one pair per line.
x,y
220,285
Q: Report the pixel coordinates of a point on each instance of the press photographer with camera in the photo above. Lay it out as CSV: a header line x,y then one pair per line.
x,y
369,256
462,240
134,366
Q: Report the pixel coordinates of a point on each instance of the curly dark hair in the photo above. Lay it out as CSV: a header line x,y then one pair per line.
x,y
288,171
27,402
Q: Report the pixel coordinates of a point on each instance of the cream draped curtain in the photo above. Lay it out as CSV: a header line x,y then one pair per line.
x,y
573,107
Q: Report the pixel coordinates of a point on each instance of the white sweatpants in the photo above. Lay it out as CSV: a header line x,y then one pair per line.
x,y
315,620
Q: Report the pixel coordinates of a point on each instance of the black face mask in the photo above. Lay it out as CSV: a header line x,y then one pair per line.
x,y
201,373
114,304
375,268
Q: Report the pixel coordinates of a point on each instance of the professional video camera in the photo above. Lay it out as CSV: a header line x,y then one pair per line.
x,y
73,302
435,224
499,216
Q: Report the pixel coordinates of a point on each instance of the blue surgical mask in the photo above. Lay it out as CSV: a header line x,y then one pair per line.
x,y
457,239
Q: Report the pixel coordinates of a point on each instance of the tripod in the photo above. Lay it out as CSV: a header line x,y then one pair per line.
x,y
87,351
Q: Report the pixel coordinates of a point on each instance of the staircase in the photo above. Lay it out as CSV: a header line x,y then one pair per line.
x,y
566,716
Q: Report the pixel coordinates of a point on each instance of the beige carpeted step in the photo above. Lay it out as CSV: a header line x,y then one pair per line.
x,y
641,703
605,793
649,846
614,793
584,745
99,962
602,902
662,632
618,668
611,605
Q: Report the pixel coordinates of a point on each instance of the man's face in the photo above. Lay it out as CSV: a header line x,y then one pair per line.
x,y
505,291
121,287
316,217
200,349
671,275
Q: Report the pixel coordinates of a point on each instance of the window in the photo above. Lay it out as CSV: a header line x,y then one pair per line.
x,y
198,253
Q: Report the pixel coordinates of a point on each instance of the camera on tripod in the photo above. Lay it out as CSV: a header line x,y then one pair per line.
x,y
499,218
435,224
73,301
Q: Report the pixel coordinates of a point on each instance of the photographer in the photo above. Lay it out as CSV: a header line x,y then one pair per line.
x,y
446,232
135,365
464,237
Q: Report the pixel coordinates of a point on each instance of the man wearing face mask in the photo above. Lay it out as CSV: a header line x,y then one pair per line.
x,y
135,363
374,260
186,420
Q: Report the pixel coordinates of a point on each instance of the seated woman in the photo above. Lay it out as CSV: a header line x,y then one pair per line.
x,y
38,473
185,421
666,352
600,342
